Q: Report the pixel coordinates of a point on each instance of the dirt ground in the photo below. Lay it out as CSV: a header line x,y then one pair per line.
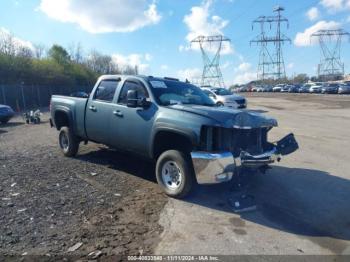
x,y
109,203
105,200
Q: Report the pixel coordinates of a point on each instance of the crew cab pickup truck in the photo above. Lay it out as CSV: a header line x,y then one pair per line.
x,y
173,123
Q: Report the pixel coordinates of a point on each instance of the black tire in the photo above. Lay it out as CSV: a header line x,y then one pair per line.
x,y
219,104
4,122
68,142
184,164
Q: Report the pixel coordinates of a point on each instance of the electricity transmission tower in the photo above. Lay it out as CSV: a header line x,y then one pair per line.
x,y
211,75
331,66
271,63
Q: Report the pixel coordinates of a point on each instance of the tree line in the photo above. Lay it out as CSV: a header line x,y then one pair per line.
x,y
56,65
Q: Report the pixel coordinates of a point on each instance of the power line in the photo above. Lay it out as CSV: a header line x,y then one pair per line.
x,y
271,64
331,66
211,75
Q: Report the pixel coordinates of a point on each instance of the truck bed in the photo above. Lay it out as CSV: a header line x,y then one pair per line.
x,y
75,106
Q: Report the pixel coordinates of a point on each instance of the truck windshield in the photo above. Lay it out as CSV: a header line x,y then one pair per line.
x,y
168,92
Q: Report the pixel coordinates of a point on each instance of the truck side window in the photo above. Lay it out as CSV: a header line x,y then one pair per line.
x,y
128,85
105,91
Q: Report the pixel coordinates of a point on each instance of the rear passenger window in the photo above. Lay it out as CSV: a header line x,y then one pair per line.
x,y
105,91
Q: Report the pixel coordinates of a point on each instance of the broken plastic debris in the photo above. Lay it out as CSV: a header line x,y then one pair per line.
x,y
21,210
93,174
14,194
117,195
25,253
13,184
95,254
243,203
75,247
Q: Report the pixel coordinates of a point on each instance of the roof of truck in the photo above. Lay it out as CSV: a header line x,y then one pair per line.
x,y
147,78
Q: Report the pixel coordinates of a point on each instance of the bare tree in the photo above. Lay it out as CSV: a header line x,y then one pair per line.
x,y
75,51
7,44
101,64
39,51
129,70
24,51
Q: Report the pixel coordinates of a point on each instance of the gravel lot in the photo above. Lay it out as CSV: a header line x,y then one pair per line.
x,y
107,201
110,202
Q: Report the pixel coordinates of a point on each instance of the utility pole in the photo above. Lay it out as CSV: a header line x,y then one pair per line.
x,y
331,66
271,63
211,75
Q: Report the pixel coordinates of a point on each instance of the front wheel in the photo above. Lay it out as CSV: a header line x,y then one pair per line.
x,y
174,173
68,142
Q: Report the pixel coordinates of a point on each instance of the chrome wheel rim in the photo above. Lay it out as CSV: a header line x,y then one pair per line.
x,y
171,175
64,142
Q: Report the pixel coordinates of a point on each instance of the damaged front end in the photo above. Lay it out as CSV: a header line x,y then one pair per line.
x,y
224,150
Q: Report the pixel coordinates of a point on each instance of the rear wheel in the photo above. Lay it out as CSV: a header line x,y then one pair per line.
x,y
5,121
68,142
174,173
219,104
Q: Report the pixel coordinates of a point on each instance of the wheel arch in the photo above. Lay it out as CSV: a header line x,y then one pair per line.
x,y
172,139
63,117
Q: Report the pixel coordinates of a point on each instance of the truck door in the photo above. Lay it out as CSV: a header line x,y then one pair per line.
x,y
98,111
131,127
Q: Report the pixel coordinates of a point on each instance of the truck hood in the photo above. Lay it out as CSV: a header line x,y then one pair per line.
x,y
228,117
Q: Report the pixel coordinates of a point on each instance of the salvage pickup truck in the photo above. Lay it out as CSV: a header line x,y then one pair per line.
x,y
173,123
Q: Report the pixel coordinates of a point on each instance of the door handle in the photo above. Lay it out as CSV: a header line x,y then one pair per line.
x,y
93,108
118,113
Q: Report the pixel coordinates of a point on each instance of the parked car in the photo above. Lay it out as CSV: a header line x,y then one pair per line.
x,y
285,88
261,89
255,88
172,123
315,88
267,88
344,89
224,97
294,89
278,88
242,89
331,88
6,113
305,88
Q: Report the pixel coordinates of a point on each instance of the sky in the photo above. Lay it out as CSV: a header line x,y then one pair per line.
x,y
155,35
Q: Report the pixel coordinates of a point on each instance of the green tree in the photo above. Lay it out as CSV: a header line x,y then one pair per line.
x,y
59,54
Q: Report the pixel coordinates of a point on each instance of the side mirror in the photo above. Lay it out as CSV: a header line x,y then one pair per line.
x,y
131,98
144,103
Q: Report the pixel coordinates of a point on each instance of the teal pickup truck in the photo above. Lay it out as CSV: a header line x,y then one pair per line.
x,y
173,123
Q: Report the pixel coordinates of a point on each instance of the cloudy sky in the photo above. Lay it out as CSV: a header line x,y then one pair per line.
x,y
156,34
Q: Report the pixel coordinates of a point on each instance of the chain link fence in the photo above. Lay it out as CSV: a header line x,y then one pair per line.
x,y
27,97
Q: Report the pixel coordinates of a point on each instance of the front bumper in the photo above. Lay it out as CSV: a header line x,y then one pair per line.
x,y
236,105
213,168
